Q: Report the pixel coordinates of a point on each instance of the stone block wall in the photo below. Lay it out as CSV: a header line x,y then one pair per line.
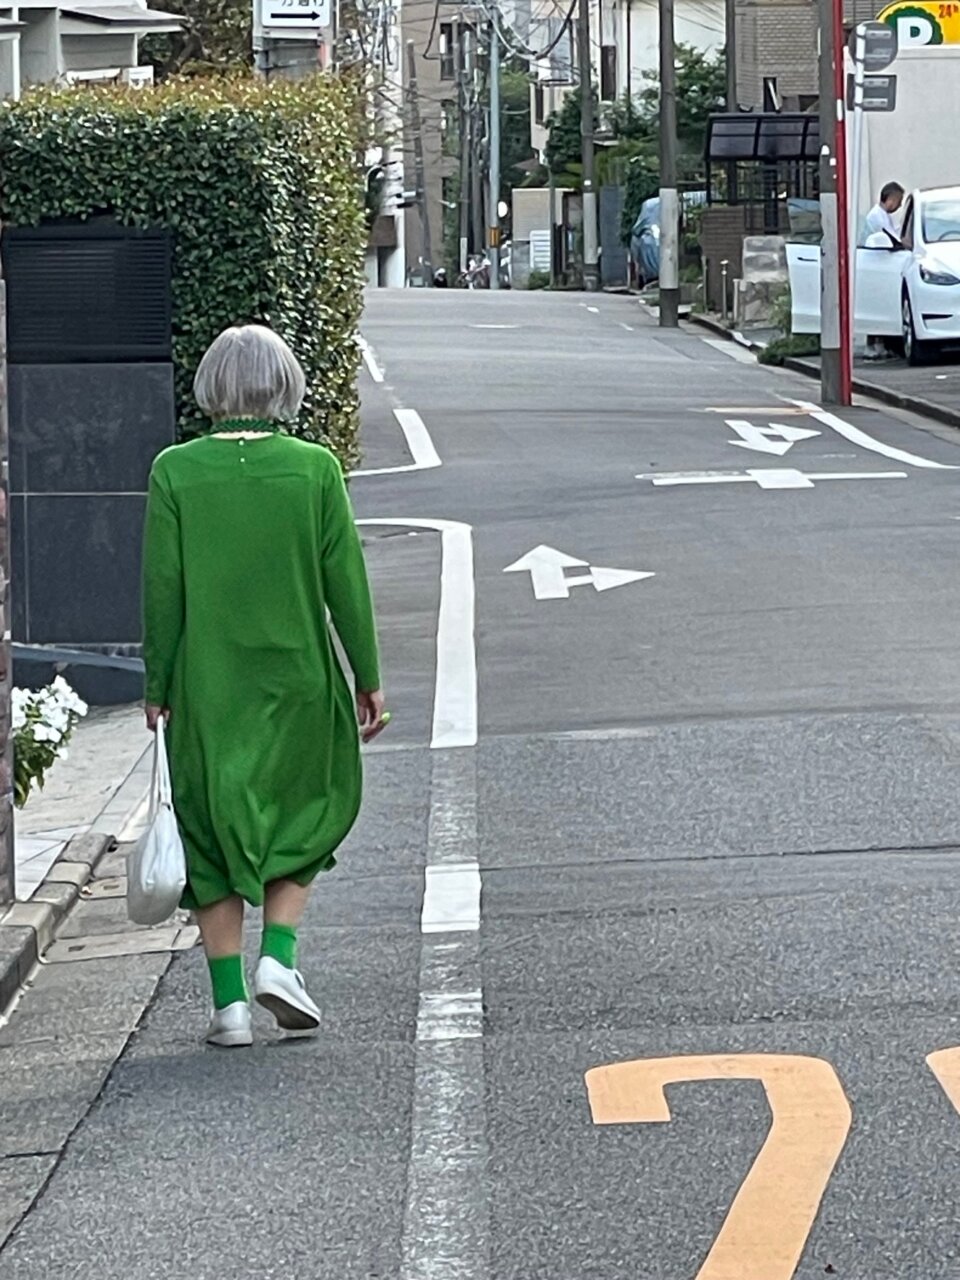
x,y
6,743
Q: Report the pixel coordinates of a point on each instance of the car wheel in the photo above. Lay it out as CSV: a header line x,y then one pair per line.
x,y
913,349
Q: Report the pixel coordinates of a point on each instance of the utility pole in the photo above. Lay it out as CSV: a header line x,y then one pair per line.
x,y
591,272
476,177
418,159
493,213
730,7
669,200
835,347
466,131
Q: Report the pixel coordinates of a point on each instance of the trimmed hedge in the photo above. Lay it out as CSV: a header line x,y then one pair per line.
x,y
260,185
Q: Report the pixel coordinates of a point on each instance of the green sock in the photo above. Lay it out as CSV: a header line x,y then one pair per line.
x,y
226,976
280,943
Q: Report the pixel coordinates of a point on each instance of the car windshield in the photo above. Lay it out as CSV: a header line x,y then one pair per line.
x,y
941,219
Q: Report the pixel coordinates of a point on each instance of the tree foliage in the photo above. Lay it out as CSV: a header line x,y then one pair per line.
x,y
216,37
259,185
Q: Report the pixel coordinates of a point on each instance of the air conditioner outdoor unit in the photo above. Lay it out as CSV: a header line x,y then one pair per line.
x,y
137,77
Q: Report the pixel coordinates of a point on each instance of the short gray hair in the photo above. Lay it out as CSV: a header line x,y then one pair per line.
x,y
249,372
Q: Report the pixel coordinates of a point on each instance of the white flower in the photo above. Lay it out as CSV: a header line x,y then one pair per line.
x,y
44,733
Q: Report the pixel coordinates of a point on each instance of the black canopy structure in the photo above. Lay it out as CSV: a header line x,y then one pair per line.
x,y
762,159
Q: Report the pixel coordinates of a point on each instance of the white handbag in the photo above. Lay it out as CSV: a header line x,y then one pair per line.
x,y
157,865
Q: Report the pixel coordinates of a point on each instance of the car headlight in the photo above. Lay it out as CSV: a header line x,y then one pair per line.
x,y
935,274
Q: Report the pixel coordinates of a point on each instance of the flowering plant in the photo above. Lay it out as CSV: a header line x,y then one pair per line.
x,y
42,725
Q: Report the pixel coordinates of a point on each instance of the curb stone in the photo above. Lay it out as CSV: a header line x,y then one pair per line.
x,y
862,386
28,928
886,395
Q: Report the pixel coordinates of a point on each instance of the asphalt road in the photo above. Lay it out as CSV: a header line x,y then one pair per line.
x,y
715,815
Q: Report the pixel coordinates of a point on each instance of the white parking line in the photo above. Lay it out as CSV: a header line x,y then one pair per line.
x,y
419,443
455,682
376,373
858,437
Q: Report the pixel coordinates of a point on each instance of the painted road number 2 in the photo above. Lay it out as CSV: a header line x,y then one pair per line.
x,y
767,1227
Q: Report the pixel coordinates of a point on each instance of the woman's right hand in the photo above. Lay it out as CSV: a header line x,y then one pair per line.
x,y
153,716
370,714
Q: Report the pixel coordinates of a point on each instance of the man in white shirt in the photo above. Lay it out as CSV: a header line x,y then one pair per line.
x,y
882,233
880,217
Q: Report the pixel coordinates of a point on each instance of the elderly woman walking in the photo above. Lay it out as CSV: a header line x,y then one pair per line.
x,y
250,543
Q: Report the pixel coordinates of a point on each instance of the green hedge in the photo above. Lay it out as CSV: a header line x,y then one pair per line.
x,y
261,187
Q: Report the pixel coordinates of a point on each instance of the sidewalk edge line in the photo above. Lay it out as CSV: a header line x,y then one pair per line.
x,y
28,927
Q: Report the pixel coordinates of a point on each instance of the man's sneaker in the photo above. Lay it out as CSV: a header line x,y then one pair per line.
x,y
281,990
230,1027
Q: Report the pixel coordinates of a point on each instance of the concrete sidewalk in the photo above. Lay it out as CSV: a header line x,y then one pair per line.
x,y
97,788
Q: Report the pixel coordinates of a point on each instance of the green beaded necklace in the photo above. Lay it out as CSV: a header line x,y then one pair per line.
x,y
247,426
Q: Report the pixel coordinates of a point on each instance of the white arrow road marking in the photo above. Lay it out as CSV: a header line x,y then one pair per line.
x,y
455,683
858,437
777,438
418,441
767,478
546,565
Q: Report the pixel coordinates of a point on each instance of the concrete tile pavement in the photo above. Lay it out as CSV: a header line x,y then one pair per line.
x,y
96,788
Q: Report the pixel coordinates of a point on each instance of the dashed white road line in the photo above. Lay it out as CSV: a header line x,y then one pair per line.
x,y
419,443
858,437
446,1221
455,682
369,359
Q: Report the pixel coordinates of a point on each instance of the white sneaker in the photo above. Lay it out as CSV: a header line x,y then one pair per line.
x,y
230,1027
281,990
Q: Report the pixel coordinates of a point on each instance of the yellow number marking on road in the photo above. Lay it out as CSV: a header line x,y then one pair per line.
x,y
765,1232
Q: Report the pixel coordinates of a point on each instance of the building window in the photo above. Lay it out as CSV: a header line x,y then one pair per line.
x,y
608,72
538,104
448,69
808,102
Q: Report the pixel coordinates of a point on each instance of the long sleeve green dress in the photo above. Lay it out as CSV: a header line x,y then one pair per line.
x,y
248,544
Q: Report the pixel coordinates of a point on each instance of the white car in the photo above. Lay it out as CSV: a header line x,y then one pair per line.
x,y
912,293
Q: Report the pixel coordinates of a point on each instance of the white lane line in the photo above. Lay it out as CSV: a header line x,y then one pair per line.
x,y
455,687
623,325
419,443
446,1221
369,359
732,349
451,900
767,477
858,437
494,326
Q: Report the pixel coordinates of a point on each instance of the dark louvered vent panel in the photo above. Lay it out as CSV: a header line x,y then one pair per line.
x,y
87,294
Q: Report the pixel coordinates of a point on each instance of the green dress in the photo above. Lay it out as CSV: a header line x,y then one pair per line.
x,y
249,544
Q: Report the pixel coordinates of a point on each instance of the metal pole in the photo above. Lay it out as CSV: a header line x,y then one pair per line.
x,y
591,257
834,295
669,199
494,209
418,159
553,230
860,54
730,37
466,71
